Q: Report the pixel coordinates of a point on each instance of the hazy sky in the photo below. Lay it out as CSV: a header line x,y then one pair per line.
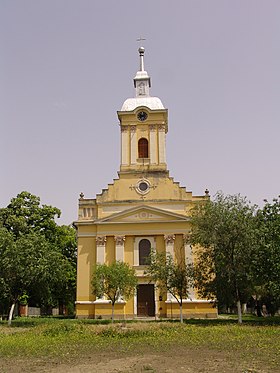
x,y
66,66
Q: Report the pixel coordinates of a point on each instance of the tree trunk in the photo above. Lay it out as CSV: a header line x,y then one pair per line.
x,y
239,311
259,308
113,305
244,308
181,312
11,313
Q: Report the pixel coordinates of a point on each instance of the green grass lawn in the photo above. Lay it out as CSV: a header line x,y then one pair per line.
x,y
54,338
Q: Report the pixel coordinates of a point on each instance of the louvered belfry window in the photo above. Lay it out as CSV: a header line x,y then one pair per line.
x,y
143,148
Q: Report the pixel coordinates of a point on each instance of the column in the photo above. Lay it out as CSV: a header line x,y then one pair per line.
x,y
133,145
188,260
100,249
153,142
161,138
119,248
125,150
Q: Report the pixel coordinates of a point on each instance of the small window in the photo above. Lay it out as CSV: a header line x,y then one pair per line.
x,y
144,251
143,186
143,148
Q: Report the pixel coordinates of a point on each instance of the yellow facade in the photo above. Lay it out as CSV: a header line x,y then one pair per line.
x,y
144,206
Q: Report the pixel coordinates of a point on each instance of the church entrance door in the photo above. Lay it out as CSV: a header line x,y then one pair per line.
x,y
146,300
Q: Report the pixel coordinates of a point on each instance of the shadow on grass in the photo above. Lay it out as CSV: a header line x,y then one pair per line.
x,y
247,320
27,322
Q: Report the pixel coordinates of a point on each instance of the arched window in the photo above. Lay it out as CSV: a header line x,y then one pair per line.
x,y
144,251
143,148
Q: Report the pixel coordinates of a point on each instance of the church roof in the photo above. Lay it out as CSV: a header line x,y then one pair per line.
x,y
142,83
153,103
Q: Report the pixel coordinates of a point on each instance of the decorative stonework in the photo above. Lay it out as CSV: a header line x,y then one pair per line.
x,y
152,127
161,127
119,240
169,239
187,238
143,186
132,128
143,215
124,128
100,240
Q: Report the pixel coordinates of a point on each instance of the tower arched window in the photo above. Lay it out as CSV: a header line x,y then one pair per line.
x,y
144,251
143,148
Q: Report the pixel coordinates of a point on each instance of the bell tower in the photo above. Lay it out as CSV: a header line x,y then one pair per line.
x,y
144,125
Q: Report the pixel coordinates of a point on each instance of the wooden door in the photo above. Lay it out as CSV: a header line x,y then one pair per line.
x,y
146,300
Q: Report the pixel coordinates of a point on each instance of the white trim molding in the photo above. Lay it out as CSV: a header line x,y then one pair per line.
x,y
108,301
191,301
136,247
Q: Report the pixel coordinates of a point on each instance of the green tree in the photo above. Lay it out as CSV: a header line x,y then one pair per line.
x,y
24,215
267,258
117,281
174,277
66,242
28,263
38,256
6,244
225,231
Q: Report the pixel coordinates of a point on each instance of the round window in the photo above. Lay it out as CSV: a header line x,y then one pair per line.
x,y
143,186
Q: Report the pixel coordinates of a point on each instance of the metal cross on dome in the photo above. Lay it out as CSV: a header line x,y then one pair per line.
x,y
140,39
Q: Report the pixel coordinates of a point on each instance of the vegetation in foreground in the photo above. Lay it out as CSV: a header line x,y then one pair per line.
x,y
66,340
238,256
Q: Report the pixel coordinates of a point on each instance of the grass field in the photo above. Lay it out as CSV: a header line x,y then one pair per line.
x,y
53,345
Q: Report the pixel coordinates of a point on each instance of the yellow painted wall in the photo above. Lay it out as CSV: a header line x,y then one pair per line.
x,y
165,189
129,308
86,259
110,255
128,249
191,310
160,243
85,311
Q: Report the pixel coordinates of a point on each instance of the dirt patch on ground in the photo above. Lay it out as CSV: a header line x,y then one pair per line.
x,y
177,360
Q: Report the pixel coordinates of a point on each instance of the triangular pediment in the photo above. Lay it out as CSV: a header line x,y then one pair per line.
x,y
142,214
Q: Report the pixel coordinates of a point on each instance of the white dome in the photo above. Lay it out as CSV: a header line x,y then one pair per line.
x,y
153,103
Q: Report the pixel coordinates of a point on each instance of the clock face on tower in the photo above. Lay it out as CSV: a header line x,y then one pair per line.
x,y
142,115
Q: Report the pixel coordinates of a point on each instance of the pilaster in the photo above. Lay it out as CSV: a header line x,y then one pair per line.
x,y
125,145
119,248
169,247
133,145
153,143
100,249
188,260
162,144
169,244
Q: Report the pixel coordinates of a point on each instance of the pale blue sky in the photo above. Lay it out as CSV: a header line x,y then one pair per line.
x,y
67,66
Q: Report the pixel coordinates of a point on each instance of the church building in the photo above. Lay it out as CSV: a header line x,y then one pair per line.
x,y
142,209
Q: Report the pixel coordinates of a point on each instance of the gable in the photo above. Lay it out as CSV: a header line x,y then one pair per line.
x,y
143,214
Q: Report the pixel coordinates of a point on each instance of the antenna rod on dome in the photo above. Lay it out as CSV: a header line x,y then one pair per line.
x,y
141,51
